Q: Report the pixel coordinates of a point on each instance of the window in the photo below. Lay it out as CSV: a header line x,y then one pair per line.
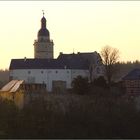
x,y
98,70
56,71
41,39
29,72
42,72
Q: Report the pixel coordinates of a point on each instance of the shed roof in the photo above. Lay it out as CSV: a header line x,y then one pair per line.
x,y
12,86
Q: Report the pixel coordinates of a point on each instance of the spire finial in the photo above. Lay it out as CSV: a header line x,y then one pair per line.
x,y
43,12
73,50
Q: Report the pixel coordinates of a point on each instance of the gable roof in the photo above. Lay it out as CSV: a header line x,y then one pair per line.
x,y
90,57
69,61
133,75
47,64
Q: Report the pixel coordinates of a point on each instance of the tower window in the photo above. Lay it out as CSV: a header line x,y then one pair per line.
x,y
41,39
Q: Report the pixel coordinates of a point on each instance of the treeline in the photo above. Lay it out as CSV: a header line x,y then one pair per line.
x,y
124,67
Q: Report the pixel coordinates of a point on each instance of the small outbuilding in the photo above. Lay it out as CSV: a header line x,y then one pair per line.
x,y
22,93
131,82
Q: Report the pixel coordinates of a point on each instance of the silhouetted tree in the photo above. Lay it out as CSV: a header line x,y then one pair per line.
x,y
110,57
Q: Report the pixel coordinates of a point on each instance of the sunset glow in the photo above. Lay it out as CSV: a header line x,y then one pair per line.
x,y
79,26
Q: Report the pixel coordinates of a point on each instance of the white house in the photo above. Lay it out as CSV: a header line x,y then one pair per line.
x,y
45,69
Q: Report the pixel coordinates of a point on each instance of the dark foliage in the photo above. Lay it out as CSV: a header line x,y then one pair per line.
x,y
71,116
100,82
8,114
80,85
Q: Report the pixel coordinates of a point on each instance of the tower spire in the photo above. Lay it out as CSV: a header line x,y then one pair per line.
x,y
43,46
43,21
43,13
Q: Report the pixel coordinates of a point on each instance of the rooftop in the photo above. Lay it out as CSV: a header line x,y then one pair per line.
x,y
69,61
133,75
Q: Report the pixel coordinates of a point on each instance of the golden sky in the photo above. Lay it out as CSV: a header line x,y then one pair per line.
x,y
82,26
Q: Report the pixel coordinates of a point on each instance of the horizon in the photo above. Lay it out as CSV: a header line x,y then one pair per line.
x,y
74,26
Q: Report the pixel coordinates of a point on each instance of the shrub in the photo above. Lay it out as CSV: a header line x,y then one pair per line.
x,y
100,81
80,85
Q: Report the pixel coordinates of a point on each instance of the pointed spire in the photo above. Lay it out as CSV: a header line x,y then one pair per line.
x,y
43,31
43,21
43,13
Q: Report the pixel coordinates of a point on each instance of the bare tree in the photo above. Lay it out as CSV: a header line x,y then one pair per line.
x,y
110,57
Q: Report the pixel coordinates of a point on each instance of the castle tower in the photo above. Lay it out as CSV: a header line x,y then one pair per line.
x,y
43,46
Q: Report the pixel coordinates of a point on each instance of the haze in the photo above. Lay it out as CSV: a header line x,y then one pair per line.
x,y
79,26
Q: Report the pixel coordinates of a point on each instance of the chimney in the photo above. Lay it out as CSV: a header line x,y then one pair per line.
x,y
24,59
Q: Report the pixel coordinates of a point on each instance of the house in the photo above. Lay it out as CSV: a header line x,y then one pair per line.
x,y
65,68
131,82
54,73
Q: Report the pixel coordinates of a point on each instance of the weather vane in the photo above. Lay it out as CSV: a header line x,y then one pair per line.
x,y
43,12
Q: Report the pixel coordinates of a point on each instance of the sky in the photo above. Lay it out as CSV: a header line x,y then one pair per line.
x,y
75,26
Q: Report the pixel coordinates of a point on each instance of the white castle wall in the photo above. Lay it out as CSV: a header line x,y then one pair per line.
x,y
47,75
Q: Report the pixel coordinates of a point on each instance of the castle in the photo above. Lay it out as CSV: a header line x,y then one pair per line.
x,y
44,69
